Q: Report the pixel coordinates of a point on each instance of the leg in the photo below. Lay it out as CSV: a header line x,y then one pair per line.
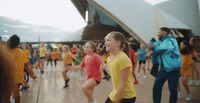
x,y
185,84
158,84
42,64
65,77
29,71
143,68
139,67
55,62
47,62
51,63
173,79
16,93
88,88
195,70
133,73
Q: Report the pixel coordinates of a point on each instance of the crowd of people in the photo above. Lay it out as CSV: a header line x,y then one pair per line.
x,y
115,59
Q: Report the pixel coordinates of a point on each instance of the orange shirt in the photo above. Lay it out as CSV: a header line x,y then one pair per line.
x,y
55,55
19,60
105,57
67,58
27,55
186,60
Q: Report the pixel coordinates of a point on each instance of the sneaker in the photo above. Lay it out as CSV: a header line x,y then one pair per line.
x,y
94,101
81,78
190,82
138,75
180,95
145,77
188,97
106,78
136,82
197,83
65,86
42,72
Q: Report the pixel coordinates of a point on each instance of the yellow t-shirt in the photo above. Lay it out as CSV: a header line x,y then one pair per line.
x,y
186,60
67,58
19,60
116,65
27,55
42,52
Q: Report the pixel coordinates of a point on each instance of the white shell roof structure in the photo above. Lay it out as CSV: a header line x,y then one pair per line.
x,y
142,20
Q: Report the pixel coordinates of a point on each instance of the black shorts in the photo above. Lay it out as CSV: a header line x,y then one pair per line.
x,y
68,65
142,62
42,57
55,59
98,82
131,100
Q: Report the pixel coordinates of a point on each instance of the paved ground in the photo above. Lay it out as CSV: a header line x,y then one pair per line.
x,y
48,89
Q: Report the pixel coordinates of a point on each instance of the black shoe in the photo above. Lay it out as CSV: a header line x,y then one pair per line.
x,y
42,72
106,77
24,88
66,85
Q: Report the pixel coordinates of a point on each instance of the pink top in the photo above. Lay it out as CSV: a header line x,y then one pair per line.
x,y
92,65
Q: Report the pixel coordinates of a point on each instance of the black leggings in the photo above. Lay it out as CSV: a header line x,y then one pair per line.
x,y
49,60
131,100
55,62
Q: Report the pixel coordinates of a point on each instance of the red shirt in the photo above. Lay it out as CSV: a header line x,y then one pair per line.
x,y
92,65
132,56
73,50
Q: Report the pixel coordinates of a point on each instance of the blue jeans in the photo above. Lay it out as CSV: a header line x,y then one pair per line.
x,y
162,76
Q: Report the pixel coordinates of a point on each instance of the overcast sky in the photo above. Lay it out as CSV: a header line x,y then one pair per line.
x,y
57,13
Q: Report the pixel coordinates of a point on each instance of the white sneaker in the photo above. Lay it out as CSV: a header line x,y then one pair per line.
x,y
138,75
81,78
197,83
145,77
180,95
94,101
188,97
191,82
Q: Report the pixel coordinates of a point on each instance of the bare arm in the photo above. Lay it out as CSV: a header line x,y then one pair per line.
x,y
123,78
74,57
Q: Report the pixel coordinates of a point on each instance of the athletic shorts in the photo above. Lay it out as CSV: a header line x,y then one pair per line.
x,y
131,100
142,62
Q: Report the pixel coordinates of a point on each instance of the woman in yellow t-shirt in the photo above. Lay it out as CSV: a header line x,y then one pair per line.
x,y
42,57
186,69
18,61
120,67
67,58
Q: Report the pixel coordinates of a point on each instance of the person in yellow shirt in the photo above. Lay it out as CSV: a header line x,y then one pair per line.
x,y
120,67
18,61
42,50
55,55
67,58
186,69
27,69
